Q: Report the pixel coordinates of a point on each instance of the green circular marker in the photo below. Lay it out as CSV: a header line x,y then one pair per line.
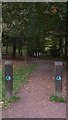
x,y
8,78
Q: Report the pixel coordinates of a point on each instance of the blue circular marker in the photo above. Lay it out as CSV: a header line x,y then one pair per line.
x,y
58,77
8,78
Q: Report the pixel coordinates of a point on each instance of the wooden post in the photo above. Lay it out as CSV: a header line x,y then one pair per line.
x,y
9,78
58,78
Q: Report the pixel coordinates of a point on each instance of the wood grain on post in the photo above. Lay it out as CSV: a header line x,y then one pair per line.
x,y
9,78
58,78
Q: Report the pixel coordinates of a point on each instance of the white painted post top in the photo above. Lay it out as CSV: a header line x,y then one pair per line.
x,y
58,63
8,62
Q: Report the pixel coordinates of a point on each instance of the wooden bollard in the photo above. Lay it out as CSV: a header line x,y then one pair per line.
x,y
58,78
9,78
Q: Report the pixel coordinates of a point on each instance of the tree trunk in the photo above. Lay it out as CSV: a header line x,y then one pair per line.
x,y
59,45
61,48
66,30
66,47
19,50
14,52
38,54
6,48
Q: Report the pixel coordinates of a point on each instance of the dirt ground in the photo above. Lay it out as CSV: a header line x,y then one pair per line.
x,y
34,102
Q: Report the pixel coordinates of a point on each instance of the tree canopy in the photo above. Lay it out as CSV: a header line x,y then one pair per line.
x,y
34,25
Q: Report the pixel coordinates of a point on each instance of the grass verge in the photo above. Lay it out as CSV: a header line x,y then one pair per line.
x,y
20,77
56,99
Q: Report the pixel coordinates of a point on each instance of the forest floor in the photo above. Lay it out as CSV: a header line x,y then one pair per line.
x,y
34,102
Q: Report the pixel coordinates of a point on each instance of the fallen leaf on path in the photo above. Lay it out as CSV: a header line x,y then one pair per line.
x,y
27,88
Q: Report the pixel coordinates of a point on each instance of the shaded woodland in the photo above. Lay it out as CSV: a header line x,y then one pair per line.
x,y
35,29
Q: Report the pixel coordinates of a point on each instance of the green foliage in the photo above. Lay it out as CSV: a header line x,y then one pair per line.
x,y
8,102
57,99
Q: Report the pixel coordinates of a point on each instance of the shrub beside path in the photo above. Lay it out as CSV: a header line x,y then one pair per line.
x,y
34,102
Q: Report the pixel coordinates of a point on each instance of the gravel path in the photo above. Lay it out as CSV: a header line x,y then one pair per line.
x,y
34,102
